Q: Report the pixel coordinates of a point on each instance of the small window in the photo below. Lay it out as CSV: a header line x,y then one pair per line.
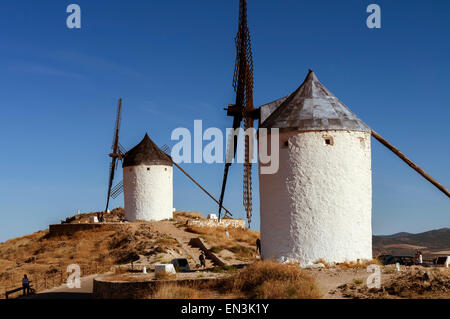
x,y
328,140
362,140
286,144
148,168
165,168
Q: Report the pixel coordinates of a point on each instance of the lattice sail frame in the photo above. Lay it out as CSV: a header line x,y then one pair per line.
x,y
243,84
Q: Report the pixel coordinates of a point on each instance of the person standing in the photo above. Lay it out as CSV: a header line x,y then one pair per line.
x,y
202,260
25,285
258,246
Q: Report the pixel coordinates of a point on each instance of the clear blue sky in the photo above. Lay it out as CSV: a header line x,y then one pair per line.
x,y
172,62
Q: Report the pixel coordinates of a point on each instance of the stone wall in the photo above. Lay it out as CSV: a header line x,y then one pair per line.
x,y
237,223
67,229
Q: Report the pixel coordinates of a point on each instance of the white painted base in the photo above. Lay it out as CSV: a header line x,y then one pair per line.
x,y
318,205
148,192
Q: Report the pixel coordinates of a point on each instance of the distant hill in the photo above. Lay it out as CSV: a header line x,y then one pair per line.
x,y
433,242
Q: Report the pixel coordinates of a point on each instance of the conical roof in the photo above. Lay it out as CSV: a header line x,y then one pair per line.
x,y
146,153
311,107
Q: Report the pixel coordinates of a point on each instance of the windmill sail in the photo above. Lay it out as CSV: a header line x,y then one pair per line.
x,y
116,153
243,108
117,190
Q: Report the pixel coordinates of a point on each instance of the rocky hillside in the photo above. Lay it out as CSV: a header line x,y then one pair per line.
x,y
41,255
434,242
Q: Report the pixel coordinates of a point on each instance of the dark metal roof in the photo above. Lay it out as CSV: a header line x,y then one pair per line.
x,y
146,153
311,107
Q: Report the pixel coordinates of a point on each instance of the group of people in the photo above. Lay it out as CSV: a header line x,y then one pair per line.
x,y
100,217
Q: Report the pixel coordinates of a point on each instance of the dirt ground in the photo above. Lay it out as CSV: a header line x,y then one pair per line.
x,y
410,282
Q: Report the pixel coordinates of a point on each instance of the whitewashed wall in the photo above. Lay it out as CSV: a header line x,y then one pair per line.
x,y
148,192
319,204
224,222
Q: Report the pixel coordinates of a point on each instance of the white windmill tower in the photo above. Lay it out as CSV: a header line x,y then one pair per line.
x,y
147,183
147,178
318,205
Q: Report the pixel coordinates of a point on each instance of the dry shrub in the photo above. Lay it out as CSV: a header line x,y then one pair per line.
x,y
243,234
269,279
166,240
224,269
172,291
216,249
321,261
353,265
242,251
217,234
188,215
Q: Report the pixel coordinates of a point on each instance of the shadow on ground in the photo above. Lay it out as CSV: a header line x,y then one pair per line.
x,y
60,295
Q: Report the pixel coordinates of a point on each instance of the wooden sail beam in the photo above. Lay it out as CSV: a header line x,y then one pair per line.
x,y
410,163
195,182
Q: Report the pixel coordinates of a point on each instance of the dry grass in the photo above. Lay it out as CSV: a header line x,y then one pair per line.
x,y
321,261
350,265
262,280
219,234
358,281
240,242
173,291
242,251
188,215
353,265
39,255
166,240
238,250
269,279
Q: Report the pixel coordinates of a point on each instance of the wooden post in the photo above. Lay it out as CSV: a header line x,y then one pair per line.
x,y
411,163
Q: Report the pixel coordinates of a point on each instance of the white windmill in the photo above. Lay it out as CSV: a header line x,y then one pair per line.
x,y
147,182
323,187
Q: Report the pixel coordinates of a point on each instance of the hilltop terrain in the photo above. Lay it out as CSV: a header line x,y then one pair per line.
x,y
431,243
132,246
